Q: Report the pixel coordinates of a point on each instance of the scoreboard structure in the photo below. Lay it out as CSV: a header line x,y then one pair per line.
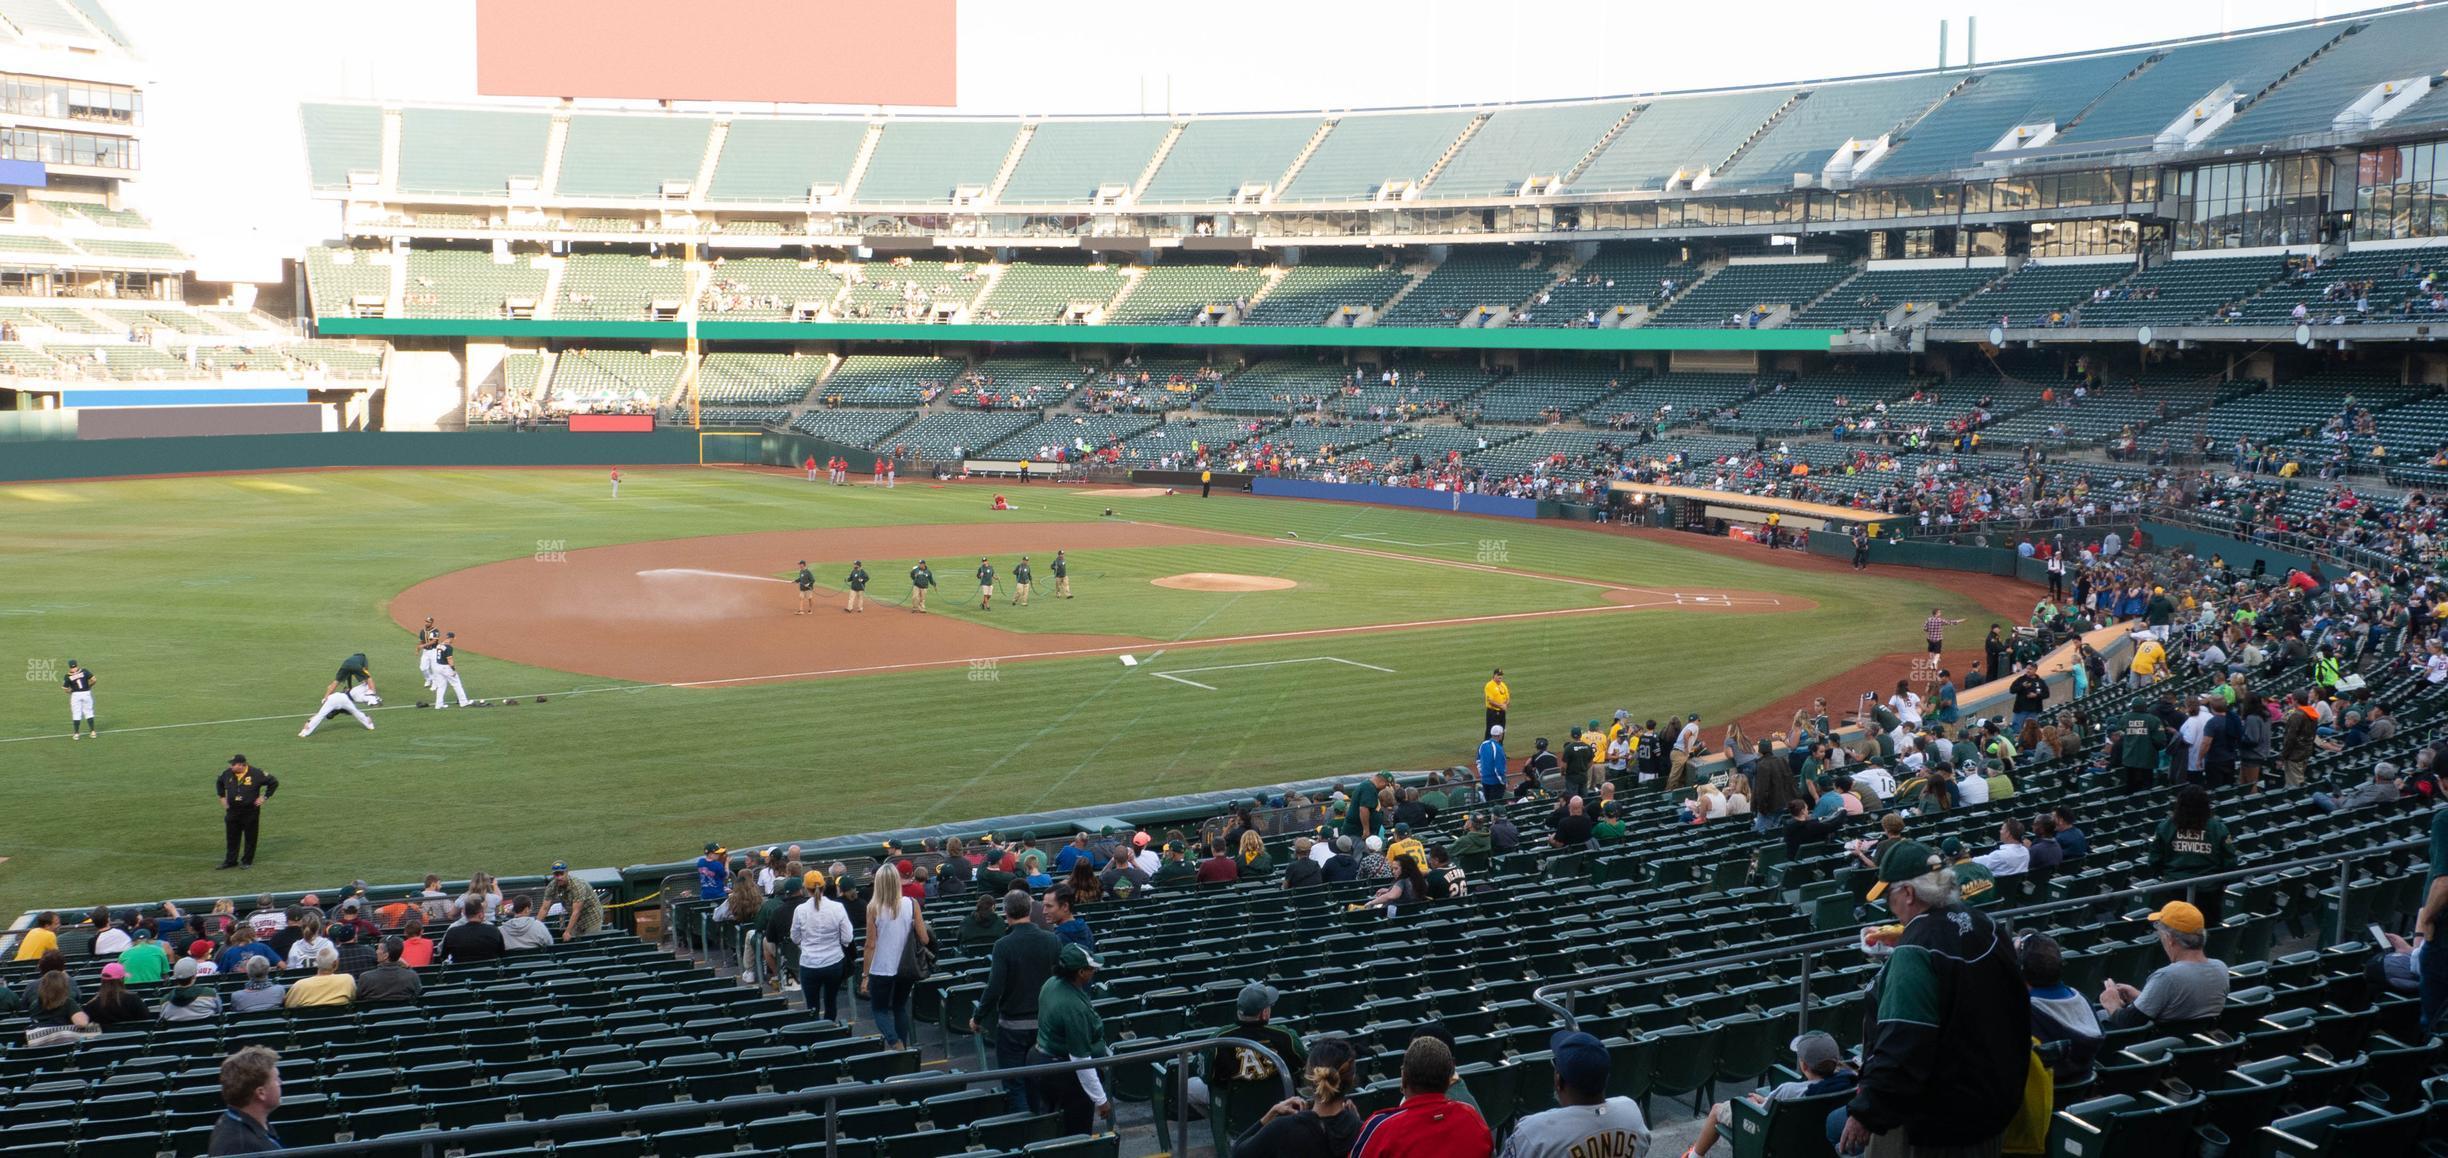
x,y
840,52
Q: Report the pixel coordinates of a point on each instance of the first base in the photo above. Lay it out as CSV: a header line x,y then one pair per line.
x,y
1130,661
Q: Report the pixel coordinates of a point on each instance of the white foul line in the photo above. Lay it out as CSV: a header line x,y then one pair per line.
x,y
1176,674
1367,537
1281,662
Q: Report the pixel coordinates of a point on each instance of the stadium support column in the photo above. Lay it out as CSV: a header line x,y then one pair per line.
x,y
695,358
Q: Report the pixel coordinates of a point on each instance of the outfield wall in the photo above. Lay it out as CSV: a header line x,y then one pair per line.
x,y
112,458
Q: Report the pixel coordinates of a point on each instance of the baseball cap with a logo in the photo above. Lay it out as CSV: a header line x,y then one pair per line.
x,y
1907,860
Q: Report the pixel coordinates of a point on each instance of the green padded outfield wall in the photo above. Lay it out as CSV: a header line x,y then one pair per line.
x,y
108,458
1359,337
780,448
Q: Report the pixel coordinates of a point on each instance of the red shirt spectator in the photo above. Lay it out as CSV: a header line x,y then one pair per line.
x,y
1218,869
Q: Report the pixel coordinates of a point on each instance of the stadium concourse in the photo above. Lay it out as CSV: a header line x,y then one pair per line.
x,y
2188,835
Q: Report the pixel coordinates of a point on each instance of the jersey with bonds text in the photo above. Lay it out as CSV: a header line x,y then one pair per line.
x,y
79,680
806,580
858,579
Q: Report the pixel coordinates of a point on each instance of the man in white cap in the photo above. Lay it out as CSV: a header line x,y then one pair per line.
x,y
1492,765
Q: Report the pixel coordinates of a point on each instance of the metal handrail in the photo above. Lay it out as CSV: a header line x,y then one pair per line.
x,y
1546,994
431,1143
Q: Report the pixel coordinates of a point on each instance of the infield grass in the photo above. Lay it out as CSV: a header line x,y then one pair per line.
x,y
213,610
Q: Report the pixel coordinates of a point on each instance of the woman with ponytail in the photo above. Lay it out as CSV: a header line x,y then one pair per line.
x,y
1322,1125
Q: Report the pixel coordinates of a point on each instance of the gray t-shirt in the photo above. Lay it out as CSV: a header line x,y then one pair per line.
x,y
2184,991
1614,1128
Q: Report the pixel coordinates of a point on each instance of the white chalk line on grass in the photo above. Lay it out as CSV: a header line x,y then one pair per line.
x,y
1372,537
1177,673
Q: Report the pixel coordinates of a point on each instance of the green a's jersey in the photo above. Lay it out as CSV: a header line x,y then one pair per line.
x,y
1022,574
921,578
858,579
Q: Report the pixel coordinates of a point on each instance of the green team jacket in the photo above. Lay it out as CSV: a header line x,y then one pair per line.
x,y
1067,1026
2140,737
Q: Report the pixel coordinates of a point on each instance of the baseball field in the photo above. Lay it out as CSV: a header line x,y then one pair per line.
x,y
684,700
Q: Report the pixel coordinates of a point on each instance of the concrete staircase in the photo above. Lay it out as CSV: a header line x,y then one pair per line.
x,y
1315,139
858,164
1011,161
554,141
1604,139
713,156
1387,306
1468,131
1774,118
1164,148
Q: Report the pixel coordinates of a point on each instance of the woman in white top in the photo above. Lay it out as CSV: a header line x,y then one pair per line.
x,y
1906,704
892,919
310,942
1738,795
821,929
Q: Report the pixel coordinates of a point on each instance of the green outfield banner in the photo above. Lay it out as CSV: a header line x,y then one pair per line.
x,y
1358,337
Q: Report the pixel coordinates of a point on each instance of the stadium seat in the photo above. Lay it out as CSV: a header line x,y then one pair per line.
x,y
2147,1123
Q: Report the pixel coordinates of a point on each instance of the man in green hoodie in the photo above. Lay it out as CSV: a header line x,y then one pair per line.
x,y
1068,1028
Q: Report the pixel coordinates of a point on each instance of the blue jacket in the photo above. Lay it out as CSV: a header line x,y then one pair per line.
x,y
1075,932
1491,763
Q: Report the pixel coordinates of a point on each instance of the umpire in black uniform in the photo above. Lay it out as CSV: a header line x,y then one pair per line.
x,y
243,788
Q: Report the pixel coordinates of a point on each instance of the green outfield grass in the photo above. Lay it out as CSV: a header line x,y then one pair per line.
x,y
214,609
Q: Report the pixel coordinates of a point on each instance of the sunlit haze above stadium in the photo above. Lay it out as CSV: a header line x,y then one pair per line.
x,y
227,73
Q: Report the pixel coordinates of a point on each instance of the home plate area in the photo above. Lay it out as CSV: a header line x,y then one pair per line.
x,y
1180,675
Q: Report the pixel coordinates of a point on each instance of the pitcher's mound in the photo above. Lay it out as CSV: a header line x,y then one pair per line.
x,y
1218,581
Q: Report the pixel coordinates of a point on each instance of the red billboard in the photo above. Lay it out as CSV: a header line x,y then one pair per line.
x,y
611,423
793,51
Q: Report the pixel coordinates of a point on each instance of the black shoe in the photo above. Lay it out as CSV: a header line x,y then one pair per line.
x,y
219,867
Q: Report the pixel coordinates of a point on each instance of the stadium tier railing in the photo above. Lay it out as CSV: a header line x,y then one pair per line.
x,y
510,1135
1810,951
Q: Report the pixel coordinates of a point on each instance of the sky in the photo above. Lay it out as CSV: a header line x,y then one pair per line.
x,y
224,166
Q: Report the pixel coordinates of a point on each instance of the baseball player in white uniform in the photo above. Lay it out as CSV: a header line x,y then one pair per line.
x,y
427,638
351,686
445,677
79,686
